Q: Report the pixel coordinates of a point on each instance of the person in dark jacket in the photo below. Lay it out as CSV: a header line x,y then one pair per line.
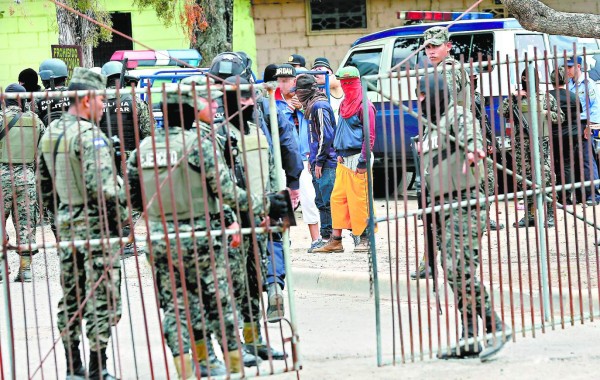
x,y
322,158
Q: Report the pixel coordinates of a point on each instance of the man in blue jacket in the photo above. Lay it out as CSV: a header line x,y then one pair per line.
x,y
322,157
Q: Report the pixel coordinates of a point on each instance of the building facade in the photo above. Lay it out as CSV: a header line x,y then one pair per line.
x,y
327,28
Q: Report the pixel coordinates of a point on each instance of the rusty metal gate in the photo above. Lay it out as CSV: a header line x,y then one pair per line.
x,y
431,276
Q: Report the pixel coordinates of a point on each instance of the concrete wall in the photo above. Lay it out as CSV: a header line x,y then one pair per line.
x,y
29,31
281,27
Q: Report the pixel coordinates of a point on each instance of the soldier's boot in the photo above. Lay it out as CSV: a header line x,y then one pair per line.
x,y
528,220
75,369
24,274
423,271
183,365
550,216
235,361
97,369
207,360
497,341
255,344
276,310
465,349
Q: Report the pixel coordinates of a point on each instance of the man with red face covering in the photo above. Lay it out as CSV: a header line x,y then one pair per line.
x,y
349,199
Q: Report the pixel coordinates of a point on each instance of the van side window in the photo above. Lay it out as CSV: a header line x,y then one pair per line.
x,y
470,45
403,47
526,43
366,61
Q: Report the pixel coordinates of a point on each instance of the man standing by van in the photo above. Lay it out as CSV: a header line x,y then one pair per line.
x,y
586,89
452,113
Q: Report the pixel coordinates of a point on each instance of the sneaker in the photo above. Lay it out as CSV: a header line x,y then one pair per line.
x,y
317,244
495,226
363,245
333,245
424,271
275,311
593,201
355,238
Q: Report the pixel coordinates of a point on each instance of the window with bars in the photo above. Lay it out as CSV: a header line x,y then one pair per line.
x,y
338,14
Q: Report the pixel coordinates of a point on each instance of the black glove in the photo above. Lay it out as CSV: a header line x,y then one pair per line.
x,y
117,152
278,206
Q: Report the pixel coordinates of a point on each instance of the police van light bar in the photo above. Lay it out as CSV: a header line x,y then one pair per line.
x,y
138,58
441,16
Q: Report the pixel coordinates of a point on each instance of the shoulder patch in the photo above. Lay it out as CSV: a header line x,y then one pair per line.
x,y
99,142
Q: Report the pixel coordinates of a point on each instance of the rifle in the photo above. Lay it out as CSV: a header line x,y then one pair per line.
x,y
123,70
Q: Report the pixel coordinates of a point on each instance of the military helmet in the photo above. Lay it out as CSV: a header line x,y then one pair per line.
x,y
53,68
112,68
228,64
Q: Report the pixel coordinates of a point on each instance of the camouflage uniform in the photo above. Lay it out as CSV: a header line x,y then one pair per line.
x,y
195,253
18,184
522,145
92,179
460,228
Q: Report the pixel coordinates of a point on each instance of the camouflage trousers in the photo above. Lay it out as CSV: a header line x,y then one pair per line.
x,y
523,149
245,275
196,287
460,229
20,202
82,268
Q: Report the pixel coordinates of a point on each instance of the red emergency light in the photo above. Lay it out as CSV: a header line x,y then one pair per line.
x,y
441,16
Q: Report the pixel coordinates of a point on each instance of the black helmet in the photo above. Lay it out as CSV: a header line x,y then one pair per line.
x,y
229,64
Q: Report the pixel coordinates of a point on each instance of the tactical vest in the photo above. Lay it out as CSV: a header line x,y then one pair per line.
x,y
123,108
174,172
51,109
542,117
256,147
18,145
58,152
443,162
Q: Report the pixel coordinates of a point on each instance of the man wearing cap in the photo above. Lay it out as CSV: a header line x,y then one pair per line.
x,y
122,114
349,199
20,130
297,61
203,172
288,103
322,157
336,94
587,91
77,169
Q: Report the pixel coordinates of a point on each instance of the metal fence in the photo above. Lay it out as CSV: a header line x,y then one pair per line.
x,y
540,168
180,258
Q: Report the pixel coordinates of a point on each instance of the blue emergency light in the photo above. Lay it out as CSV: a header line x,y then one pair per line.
x,y
442,16
136,58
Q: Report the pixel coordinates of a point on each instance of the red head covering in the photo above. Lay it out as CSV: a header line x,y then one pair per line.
x,y
352,97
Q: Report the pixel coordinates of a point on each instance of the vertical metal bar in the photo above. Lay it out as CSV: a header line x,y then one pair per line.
x,y
371,221
286,234
7,310
539,197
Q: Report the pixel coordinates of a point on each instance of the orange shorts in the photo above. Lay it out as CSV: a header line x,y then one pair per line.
x,y
350,200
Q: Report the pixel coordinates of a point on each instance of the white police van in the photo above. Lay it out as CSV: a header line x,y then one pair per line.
x,y
474,34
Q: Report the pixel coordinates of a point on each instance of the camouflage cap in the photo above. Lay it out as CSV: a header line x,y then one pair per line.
x,y
87,79
436,36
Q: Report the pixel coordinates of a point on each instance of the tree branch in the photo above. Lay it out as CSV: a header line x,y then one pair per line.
x,y
536,16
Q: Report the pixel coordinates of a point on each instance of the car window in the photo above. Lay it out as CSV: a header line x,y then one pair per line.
x,y
529,43
470,45
366,61
565,43
403,47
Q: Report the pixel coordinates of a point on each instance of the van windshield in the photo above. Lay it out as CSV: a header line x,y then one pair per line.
x,y
565,43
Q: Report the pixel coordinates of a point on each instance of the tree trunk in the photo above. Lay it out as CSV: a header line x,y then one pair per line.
x,y
73,30
217,38
536,16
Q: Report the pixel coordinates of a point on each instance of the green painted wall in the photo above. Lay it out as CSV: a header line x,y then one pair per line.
x,y
29,31
244,38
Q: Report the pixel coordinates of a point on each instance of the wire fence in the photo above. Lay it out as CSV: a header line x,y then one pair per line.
x,y
496,236
132,249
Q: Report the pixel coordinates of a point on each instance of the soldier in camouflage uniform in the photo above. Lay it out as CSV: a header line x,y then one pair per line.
x,y
77,166
203,258
19,133
453,173
120,118
522,145
53,73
